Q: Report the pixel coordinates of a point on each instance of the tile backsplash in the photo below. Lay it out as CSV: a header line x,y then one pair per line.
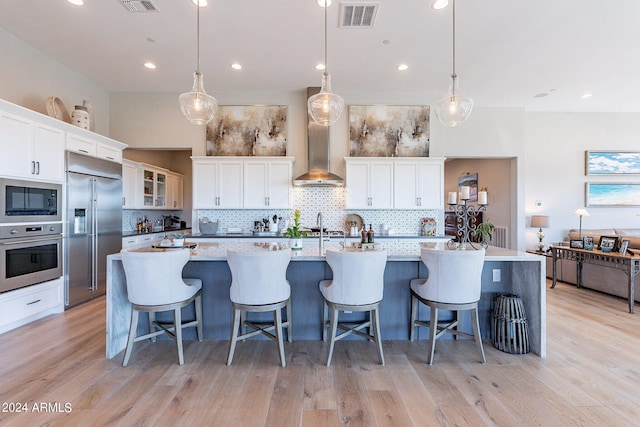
x,y
330,201
310,200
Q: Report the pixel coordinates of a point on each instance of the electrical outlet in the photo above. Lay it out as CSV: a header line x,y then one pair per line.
x,y
538,203
496,274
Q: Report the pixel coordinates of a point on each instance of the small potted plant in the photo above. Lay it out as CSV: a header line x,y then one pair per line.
x,y
294,233
178,239
484,232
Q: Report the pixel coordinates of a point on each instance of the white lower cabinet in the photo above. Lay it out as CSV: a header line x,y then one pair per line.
x,y
25,305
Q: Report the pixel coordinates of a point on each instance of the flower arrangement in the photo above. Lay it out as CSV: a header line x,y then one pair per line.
x,y
294,231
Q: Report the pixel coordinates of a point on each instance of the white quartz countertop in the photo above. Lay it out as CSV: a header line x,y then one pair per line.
x,y
404,250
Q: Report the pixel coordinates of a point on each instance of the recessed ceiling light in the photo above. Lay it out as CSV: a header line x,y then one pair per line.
x,y
236,66
587,95
320,67
150,65
403,67
76,2
439,4
201,3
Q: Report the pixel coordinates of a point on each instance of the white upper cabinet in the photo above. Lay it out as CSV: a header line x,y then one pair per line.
x,y
95,145
30,149
369,183
267,183
418,183
130,185
146,186
242,182
175,191
395,183
217,183
154,187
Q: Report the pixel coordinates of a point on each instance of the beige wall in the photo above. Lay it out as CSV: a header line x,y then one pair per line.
x,y
495,174
28,78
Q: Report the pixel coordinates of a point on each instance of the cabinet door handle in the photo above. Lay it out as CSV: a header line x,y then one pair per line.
x,y
37,168
83,151
34,302
124,201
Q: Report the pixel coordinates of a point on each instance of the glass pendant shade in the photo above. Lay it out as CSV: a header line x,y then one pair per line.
x,y
325,107
454,108
198,107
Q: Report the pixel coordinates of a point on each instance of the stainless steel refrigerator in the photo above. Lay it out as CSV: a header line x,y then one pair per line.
x,y
94,225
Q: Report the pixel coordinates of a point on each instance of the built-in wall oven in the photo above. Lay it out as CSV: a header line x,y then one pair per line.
x,y
29,201
29,254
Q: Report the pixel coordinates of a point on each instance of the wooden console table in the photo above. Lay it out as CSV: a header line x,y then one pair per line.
x,y
627,263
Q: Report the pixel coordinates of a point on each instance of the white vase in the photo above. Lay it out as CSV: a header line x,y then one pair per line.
x,y
295,243
178,242
80,117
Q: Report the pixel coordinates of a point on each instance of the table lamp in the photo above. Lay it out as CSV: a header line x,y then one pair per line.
x,y
581,212
540,221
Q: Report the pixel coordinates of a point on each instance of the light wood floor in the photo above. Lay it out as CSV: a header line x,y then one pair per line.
x,y
591,377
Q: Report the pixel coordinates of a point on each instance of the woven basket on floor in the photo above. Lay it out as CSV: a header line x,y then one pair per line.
x,y
509,325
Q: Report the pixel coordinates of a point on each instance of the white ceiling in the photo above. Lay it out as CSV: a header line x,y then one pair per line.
x,y
507,50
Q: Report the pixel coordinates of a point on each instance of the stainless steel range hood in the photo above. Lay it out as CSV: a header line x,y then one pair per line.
x,y
318,153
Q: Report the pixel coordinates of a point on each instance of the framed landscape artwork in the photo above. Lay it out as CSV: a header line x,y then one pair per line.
x,y
248,130
388,131
612,194
612,162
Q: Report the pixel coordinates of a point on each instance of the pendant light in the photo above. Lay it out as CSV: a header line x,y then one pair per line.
x,y
198,107
325,107
454,108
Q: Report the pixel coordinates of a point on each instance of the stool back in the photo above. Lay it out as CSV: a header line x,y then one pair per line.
x,y
358,276
259,277
455,276
155,278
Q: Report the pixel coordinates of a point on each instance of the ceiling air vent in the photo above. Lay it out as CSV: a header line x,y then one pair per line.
x,y
358,15
139,5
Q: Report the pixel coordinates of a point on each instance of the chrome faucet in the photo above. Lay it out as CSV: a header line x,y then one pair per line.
x,y
321,242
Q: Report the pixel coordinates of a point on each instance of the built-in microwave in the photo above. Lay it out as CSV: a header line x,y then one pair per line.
x,y
29,201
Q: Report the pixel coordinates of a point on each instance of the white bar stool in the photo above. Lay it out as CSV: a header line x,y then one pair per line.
x,y
259,284
454,283
155,284
357,285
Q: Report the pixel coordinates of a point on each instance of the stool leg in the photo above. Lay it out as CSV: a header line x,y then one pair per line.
x,y
152,325
243,326
433,330
476,332
332,336
133,327
177,324
289,322
235,325
414,314
278,322
376,319
198,303
325,318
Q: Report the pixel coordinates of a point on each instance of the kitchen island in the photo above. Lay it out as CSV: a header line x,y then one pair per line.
x,y
520,273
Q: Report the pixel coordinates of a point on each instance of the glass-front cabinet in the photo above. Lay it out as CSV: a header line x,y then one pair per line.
x,y
154,188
